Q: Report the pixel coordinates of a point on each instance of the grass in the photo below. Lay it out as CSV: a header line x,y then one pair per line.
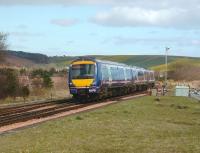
x,y
136,126
178,62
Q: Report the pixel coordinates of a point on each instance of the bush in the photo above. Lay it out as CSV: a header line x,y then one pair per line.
x,y
45,75
25,92
9,83
47,81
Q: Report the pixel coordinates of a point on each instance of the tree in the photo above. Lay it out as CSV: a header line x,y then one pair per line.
x,y
52,71
45,75
9,83
3,38
3,85
3,45
12,83
23,71
47,81
25,92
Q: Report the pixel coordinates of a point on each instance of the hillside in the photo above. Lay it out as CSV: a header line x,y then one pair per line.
x,y
23,59
146,61
181,69
172,66
20,59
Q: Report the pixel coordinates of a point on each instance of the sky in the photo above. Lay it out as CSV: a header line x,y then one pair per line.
x,y
103,27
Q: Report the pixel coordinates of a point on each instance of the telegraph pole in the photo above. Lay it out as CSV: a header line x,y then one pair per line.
x,y
166,65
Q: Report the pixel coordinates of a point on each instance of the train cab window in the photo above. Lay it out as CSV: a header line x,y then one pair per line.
x,y
83,71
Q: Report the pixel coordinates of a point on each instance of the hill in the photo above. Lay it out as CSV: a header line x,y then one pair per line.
x,y
23,59
19,58
181,69
146,61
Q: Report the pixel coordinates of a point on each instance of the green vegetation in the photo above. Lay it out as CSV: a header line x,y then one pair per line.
x,y
9,84
45,75
22,83
25,92
140,126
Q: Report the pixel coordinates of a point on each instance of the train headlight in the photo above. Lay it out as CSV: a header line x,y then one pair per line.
x,y
94,83
92,90
71,84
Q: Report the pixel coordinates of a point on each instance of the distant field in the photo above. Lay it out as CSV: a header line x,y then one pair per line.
x,y
136,126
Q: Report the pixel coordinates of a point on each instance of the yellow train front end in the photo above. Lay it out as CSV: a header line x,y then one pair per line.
x,y
82,77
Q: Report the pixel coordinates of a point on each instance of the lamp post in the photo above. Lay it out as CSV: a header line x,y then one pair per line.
x,y
166,64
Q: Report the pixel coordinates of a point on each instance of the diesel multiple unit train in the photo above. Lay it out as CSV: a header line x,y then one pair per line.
x,y
96,79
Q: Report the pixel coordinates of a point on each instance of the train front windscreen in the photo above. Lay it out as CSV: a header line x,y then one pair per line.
x,y
83,71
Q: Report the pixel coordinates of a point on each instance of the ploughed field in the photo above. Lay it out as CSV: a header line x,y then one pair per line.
x,y
139,125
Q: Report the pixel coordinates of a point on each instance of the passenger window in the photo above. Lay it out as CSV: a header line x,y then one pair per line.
x,y
128,74
105,74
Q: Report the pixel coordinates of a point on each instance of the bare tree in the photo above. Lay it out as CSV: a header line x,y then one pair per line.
x,y
3,38
3,45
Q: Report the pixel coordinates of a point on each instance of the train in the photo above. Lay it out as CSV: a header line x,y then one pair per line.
x,y
91,78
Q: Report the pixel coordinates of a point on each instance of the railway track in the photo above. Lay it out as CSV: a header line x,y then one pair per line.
x,y
28,107
11,115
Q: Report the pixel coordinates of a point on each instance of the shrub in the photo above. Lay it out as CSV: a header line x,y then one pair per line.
x,y
25,92
9,83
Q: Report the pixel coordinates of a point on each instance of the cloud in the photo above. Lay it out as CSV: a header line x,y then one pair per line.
x,y
26,34
69,42
132,40
54,2
21,26
64,22
134,17
132,13
195,42
136,3
173,41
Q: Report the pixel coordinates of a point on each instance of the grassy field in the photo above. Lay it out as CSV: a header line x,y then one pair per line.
x,y
136,126
173,65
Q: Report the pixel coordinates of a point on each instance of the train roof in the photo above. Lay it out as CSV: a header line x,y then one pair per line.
x,y
108,62
99,61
